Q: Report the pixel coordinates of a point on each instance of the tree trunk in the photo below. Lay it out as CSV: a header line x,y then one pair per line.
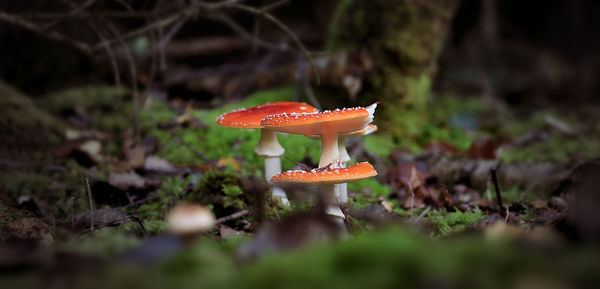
x,y
404,38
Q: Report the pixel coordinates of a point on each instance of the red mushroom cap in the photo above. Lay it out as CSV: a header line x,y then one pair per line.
x,y
356,172
251,117
339,120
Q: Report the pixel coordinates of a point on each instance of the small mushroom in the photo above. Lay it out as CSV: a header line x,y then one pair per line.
x,y
189,220
327,178
268,146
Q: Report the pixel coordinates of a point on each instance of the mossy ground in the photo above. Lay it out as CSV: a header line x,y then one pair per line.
x,y
370,259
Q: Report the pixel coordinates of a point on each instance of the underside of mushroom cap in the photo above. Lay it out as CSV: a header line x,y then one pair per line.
x,y
369,129
334,121
356,172
251,117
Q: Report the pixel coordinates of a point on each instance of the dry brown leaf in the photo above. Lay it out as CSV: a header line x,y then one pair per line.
x,y
125,181
223,162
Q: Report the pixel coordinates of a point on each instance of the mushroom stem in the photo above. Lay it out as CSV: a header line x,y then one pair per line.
x,y
332,209
344,156
329,149
269,148
268,145
342,189
273,167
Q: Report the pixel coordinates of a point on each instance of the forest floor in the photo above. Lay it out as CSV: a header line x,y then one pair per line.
x,y
80,150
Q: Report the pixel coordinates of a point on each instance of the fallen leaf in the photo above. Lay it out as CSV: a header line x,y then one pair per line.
x,y
102,217
539,204
134,154
86,151
387,205
407,180
482,148
125,181
227,232
441,148
223,162
157,164
93,149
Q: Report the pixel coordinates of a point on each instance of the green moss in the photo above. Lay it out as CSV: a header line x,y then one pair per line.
x,y
518,193
17,183
102,242
376,188
453,222
379,144
48,188
556,148
99,102
25,130
9,214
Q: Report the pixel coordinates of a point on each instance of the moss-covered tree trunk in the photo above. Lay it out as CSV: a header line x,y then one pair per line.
x,y
404,38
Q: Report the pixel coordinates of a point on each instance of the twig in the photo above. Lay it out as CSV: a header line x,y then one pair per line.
x,y
48,34
274,5
497,187
133,217
133,76
283,27
232,217
245,34
422,214
89,193
412,198
310,95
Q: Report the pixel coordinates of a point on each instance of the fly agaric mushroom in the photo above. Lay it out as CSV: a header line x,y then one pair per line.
x,y
342,190
188,220
327,178
327,124
268,146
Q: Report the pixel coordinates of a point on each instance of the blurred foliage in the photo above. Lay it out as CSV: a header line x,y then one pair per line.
x,y
381,259
26,131
453,222
108,107
103,242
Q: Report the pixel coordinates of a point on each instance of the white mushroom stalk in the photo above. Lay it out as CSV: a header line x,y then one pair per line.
x,y
269,148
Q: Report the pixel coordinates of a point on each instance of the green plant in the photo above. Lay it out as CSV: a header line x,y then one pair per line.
x,y
453,222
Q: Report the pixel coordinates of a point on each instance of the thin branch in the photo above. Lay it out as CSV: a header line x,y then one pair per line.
x,y
8,18
309,93
245,34
133,72
89,193
498,193
274,5
232,216
283,27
